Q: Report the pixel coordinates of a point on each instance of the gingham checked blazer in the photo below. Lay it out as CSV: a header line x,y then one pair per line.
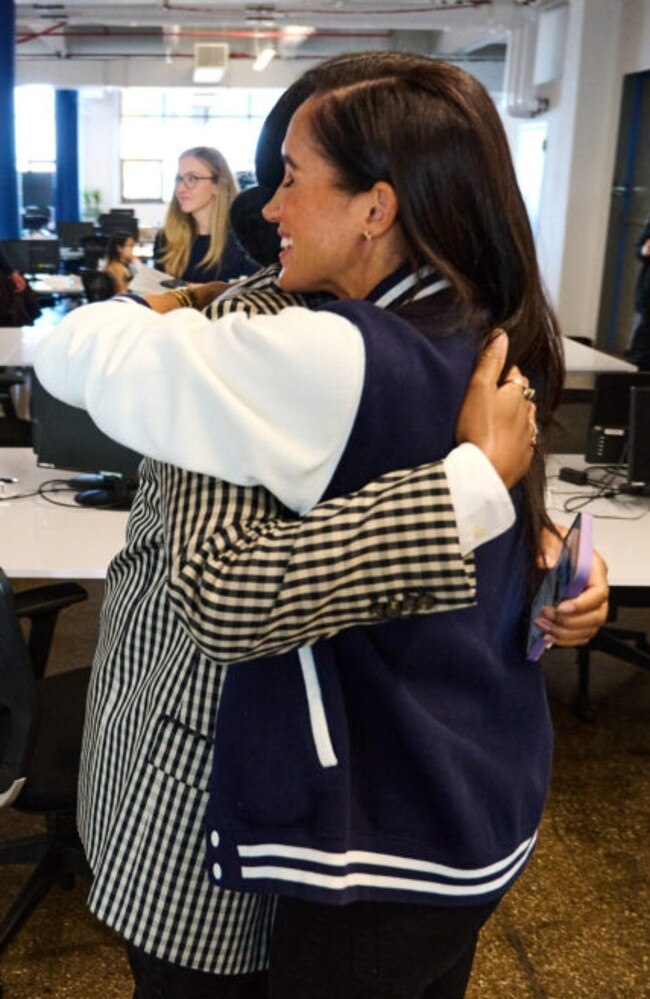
x,y
212,573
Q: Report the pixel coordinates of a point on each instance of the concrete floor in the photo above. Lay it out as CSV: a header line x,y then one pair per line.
x,y
575,926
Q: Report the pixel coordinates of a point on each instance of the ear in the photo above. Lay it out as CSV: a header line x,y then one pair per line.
x,y
383,208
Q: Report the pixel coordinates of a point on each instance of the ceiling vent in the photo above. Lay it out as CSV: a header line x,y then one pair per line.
x,y
210,62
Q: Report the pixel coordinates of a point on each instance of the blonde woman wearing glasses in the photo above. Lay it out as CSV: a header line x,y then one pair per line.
x,y
196,242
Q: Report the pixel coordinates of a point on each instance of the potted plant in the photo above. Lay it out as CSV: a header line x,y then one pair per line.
x,y
92,203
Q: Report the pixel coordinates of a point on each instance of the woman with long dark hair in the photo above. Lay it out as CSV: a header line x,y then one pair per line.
x,y
388,783
120,263
397,769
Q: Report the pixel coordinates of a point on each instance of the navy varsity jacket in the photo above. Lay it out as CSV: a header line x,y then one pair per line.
x,y
407,761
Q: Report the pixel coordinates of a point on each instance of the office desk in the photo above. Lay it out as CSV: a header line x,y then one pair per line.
x,y
582,364
580,358
69,285
38,538
623,542
44,541
17,344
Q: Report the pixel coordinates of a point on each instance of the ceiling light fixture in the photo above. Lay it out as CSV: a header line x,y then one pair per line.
x,y
264,58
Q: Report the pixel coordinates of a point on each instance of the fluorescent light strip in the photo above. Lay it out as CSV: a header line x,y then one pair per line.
x,y
263,59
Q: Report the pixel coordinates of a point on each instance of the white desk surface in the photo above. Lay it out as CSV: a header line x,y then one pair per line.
x,y
621,524
579,357
57,284
43,541
17,346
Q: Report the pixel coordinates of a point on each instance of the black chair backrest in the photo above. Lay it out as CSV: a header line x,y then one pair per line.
x,y
98,285
94,248
17,694
36,217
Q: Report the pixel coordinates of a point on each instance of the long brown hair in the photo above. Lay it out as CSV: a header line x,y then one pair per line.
x,y
180,228
432,131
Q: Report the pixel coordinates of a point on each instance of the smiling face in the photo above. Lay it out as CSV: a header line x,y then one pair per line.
x,y
196,193
321,227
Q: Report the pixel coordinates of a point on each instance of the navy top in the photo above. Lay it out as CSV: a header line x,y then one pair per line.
x,y
406,761
234,262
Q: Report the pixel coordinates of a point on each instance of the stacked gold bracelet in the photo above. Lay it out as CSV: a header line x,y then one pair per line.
x,y
186,297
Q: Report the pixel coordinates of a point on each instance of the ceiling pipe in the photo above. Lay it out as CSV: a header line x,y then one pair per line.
x,y
52,31
98,57
62,31
270,11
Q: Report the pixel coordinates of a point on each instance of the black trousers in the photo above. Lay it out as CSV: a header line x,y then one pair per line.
x,y
155,979
372,950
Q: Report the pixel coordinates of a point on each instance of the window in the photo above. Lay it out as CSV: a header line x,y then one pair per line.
x,y
157,125
142,180
35,144
35,128
529,155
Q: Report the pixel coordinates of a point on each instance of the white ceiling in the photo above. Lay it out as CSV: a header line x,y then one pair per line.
x,y
101,30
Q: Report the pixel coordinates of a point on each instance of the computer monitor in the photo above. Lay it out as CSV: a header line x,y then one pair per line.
x,y
44,256
65,437
117,222
609,421
71,233
37,188
17,253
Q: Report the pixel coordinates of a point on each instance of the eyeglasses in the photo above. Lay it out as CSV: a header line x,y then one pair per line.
x,y
190,180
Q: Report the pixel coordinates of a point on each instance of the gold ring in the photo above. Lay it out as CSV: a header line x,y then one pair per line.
x,y
516,381
529,393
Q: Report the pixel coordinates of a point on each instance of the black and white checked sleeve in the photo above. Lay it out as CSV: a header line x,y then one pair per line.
x,y
251,579
259,581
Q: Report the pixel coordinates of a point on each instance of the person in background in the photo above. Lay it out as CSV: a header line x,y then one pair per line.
x,y
120,262
638,350
196,242
166,912
19,304
8,269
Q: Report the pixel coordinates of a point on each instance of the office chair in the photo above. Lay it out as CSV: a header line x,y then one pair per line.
x,y
9,377
36,217
14,432
627,644
98,285
116,221
41,721
94,248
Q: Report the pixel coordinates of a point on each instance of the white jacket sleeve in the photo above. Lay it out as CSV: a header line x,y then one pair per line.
x,y
263,400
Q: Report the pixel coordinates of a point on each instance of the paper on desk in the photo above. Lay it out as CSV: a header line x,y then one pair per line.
x,y
149,281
